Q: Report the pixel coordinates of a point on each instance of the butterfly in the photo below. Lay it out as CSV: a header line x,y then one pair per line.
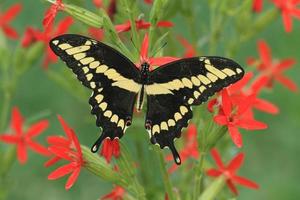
x,y
117,84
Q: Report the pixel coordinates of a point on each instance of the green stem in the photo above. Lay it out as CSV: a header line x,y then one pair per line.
x,y
100,168
199,175
5,109
213,189
135,36
200,167
165,175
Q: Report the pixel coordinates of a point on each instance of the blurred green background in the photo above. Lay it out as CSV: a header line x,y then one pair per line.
x,y
272,155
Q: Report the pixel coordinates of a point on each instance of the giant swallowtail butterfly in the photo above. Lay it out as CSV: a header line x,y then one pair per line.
x,y
117,84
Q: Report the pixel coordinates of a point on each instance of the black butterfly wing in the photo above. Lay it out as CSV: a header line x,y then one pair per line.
x,y
175,87
112,77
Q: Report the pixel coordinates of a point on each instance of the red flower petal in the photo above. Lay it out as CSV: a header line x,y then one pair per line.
x,y
211,104
38,148
257,5
236,162
96,33
72,179
238,86
259,83
11,13
235,136
60,152
28,37
165,24
37,129
58,141
213,172
10,139
148,1
245,182
216,156
287,83
77,144
285,64
51,14
226,103
10,32
65,126
265,53
251,124
21,153
62,171
221,119
116,194
98,3
123,27
162,60
266,106
232,187
287,21
52,161
17,121
144,48
64,25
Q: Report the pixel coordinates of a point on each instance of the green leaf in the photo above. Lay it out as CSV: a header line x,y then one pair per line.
x,y
156,14
84,15
158,44
113,36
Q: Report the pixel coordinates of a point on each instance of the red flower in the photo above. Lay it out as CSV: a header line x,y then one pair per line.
x,y
110,148
230,171
29,37
46,36
24,139
67,149
112,9
98,3
7,17
237,116
59,141
51,14
148,1
257,5
140,24
289,8
96,33
152,61
273,69
191,147
189,49
116,194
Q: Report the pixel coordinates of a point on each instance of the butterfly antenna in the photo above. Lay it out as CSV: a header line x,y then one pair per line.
x,y
160,48
134,45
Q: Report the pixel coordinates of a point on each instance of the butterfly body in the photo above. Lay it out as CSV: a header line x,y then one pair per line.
x,y
117,84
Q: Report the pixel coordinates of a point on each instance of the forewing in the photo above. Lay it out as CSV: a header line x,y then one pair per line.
x,y
175,87
112,77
